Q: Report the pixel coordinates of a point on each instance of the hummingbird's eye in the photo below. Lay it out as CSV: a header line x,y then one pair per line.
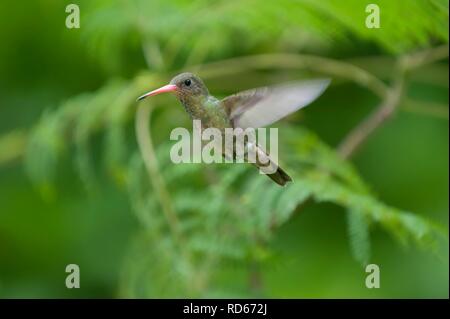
x,y
187,82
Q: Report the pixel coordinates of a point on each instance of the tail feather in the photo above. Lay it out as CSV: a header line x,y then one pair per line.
x,y
280,177
266,164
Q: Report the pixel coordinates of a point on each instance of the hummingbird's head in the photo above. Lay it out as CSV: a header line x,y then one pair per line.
x,y
185,86
189,84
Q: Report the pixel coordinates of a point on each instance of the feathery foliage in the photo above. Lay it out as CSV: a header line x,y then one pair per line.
x,y
226,213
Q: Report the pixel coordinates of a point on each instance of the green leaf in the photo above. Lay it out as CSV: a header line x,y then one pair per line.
x,y
359,236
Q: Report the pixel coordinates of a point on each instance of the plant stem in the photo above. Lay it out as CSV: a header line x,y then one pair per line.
x,y
436,110
256,282
295,61
367,127
143,115
364,129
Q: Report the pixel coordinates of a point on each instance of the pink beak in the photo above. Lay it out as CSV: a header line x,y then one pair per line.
x,y
164,89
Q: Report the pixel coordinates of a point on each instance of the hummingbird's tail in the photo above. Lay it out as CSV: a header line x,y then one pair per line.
x,y
280,177
268,165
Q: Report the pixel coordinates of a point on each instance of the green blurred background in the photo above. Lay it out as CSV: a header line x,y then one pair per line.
x,y
74,189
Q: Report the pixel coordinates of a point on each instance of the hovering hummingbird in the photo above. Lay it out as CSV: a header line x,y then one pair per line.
x,y
248,109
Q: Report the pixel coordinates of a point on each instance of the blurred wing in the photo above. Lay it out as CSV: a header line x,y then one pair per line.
x,y
264,106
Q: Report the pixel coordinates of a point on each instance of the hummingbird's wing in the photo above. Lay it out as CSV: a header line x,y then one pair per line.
x,y
263,106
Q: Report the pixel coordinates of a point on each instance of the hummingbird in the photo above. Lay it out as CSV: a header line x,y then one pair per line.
x,y
252,108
